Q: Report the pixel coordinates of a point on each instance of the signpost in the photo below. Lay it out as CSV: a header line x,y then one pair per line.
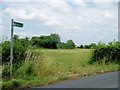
x,y
13,24
17,24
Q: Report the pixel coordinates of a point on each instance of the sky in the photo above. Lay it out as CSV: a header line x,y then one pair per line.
x,y
83,21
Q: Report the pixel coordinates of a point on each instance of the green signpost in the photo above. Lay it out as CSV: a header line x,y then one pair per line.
x,y
13,24
17,24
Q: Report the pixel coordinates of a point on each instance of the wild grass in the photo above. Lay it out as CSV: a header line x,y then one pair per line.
x,y
56,65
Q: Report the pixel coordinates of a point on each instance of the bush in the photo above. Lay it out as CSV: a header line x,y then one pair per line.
x,y
19,52
107,53
25,70
5,71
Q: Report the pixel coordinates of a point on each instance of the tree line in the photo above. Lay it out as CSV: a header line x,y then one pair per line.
x,y
92,45
52,41
21,45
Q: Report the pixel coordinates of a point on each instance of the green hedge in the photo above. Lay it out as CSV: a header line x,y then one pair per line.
x,y
106,53
19,52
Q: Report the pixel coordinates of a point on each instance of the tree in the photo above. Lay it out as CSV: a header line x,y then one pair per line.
x,y
55,38
61,45
49,41
34,41
81,46
70,44
87,46
92,45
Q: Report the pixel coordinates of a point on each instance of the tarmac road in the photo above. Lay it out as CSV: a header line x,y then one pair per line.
x,y
107,80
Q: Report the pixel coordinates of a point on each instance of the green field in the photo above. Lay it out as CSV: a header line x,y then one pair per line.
x,y
65,62
55,65
71,62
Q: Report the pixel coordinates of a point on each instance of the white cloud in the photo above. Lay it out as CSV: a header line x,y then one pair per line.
x,y
73,28
15,0
80,3
107,14
20,13
29,34
68,20
52,22
105,1
58,0
59,5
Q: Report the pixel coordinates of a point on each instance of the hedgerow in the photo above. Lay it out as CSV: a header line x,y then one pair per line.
x,y
106,53
18,52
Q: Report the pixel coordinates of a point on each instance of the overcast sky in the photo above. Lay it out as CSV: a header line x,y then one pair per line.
x,y
83,21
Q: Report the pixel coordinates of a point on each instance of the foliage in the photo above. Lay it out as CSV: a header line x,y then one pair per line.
x,y
44,63
81,46
46,41
93,45
19,50
5,71
106,53
68,45
52,42
61,45
90,46
22,44
12,84
50,67
25,70
87,46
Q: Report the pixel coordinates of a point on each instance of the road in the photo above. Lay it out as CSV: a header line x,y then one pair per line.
x,y
107,80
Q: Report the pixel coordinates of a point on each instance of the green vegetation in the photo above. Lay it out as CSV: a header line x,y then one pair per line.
x,y
51,42
68,45
19,50
92,45
21,46
55,65
43,60
106,53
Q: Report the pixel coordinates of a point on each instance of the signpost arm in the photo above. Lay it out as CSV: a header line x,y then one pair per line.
x,y
11,48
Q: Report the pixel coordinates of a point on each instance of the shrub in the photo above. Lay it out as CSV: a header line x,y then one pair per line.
x,y
107,53
25,70
5,71
18,52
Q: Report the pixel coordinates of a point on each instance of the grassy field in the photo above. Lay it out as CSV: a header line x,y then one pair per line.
x,y
71,62
56,65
